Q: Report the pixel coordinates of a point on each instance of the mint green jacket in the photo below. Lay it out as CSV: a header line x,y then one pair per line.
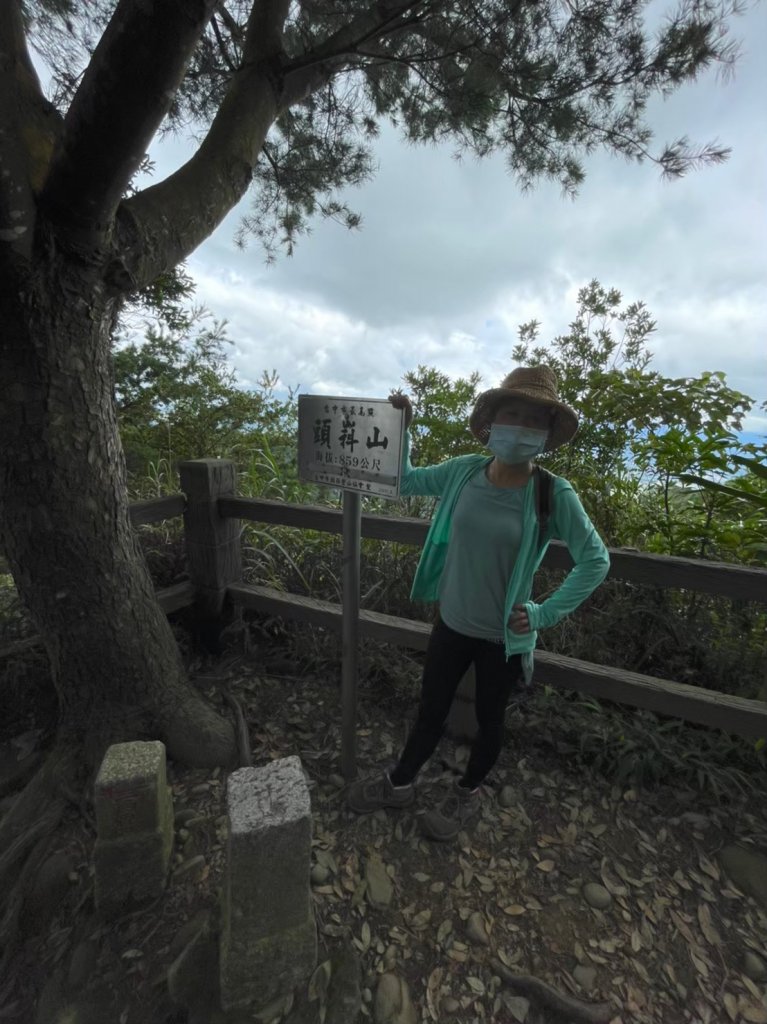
x,y
568,522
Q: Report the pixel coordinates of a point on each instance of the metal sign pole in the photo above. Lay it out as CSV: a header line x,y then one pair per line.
x,y
352,521
354,444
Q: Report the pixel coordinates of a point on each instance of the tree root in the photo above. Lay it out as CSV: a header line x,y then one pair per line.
x,y
14,902
243,738
197,734
219,680
568,1007
23,772
26,833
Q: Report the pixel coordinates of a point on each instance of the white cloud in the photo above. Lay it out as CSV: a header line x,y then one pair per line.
x,y
451,258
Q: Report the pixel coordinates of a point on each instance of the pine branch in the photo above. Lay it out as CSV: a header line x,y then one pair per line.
x,y
163,224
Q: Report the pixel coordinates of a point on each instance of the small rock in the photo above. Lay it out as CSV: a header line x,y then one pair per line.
x,y
82,964
183,816
748,870
754,967
596,895
319,874
507,797
379,886
698,820
476,929
392,1002
462,754
450,1004
191,870
585,976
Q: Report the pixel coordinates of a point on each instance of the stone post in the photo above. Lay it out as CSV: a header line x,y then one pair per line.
x,y
134,821
268,933
213,550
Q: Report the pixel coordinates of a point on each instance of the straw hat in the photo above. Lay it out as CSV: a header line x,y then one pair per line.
x,y
534,384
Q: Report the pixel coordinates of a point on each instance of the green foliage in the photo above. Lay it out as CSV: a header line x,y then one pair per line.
x,y
647,749
642,433
441,408
546,84
175,398
166,301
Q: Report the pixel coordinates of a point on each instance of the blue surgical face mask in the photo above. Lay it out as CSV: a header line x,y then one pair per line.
x,y
516,444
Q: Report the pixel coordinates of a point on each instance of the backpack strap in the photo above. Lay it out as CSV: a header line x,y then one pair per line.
x,y
544,489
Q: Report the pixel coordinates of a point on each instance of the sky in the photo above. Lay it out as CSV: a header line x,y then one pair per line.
x,y
451,257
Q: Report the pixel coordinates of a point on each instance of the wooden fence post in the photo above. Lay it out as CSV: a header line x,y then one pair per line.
x,y
213,549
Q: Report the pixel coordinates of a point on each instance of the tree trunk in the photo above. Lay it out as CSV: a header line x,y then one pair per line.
x,y
64,525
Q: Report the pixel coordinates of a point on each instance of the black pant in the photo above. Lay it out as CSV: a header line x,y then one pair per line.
x,y
448,657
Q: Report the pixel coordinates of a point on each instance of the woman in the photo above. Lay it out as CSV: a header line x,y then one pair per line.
x,y
478,563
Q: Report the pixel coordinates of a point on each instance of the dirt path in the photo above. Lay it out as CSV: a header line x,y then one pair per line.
x,y
667,947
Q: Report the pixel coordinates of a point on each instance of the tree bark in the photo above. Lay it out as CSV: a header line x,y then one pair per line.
x,y
65,532
125,92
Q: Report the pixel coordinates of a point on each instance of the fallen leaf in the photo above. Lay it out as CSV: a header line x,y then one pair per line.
x,y
709,867
546,840
682,927
318,983
504,957
700,965
704,920
754,1014
514,910
546,865
751,987
432,993
517,1006
476,985
621,870
681,880
731,1005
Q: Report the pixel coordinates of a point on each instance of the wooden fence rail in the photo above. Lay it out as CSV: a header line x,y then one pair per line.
x,y
707,707
738,582
212,511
